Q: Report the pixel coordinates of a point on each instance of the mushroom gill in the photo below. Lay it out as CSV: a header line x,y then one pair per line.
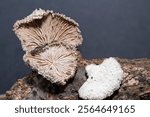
x,y
56,63
50,41
46,27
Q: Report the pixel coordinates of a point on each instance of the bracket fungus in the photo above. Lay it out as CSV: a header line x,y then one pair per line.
x,y
56,38
103,80
46,27
55,63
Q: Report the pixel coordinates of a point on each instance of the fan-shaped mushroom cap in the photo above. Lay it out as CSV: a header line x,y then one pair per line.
x,y
45,27
56,63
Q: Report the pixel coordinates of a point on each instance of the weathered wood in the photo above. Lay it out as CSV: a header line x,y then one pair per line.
x,y
3,97
136,83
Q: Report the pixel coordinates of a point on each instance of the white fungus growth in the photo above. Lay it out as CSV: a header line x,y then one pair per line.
x,y
46,27
102,80
56,63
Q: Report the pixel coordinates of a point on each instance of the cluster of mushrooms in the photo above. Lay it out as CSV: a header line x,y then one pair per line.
x,y
50,42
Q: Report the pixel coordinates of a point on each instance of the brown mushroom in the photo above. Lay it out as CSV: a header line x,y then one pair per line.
x,y
45,27
56,63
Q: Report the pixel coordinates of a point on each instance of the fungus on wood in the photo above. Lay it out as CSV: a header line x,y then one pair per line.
x,y
56,63
103,79
33,86
50,41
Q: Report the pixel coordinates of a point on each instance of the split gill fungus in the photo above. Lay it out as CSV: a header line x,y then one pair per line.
x,y
50,43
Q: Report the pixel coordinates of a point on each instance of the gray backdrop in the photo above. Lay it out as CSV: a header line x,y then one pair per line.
x,y
109,27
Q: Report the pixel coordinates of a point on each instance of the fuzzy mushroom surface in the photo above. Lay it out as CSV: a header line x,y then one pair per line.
x,y
102,80
46,27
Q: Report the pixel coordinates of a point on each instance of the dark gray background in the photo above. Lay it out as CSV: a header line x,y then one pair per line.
x,y
110,28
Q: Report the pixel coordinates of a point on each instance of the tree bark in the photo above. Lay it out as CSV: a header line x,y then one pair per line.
x,y
135,85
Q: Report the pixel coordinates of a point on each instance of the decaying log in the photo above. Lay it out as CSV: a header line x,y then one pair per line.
x,y
3,97
136,83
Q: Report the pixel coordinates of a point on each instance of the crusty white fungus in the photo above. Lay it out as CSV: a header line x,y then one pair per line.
x,y
56,63
46,27
102,80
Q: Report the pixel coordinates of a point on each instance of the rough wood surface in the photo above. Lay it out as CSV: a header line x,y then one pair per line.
x,y
2,97
136,83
